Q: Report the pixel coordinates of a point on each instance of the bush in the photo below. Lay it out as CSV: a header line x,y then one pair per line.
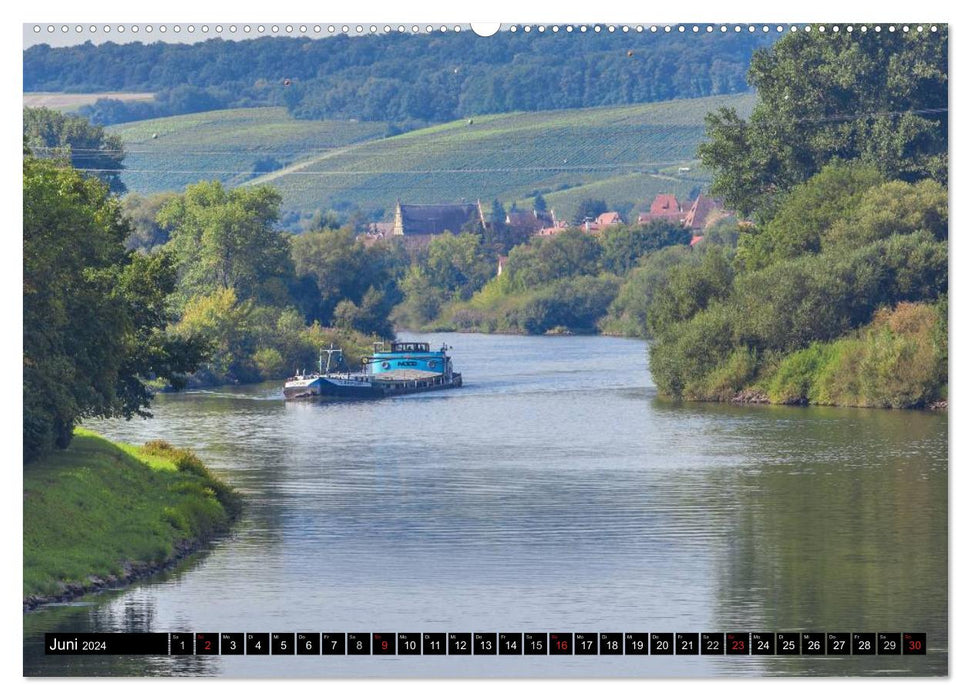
x,y
728,378
690,287
627,314
897,361
270,363
902,365
791,304
794,380
680,361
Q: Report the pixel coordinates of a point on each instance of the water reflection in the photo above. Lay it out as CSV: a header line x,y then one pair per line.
x,y
553,492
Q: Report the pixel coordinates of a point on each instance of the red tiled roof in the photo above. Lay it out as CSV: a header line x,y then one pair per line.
x,y
665,205
702,208
608,218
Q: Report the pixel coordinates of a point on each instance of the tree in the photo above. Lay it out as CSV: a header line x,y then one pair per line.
x,y
51,134
878,98
423,300
805,213
147,234
343,269
539,203
370,317
624,245
589,209
458,265
95,315
225,239
628,311
690,288
891,209
228,324
324,220
543,260
498,217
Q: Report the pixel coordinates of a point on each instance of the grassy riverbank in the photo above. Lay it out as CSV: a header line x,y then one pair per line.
x,y
101,513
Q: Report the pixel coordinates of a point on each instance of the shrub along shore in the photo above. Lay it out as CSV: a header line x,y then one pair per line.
x,y
100,514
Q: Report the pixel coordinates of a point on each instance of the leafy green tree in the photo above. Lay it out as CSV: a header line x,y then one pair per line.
x,y
691,349
539,203
690,289
322,220
878,98
589,209
624,245
458,265
725,231
543,260
95,315
628,311
370,317
49,133
147,234
229,324
805,214
785,307
891,209
343,269
575,304
225,239
423,300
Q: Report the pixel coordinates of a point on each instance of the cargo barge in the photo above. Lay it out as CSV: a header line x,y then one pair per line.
x,y
406,368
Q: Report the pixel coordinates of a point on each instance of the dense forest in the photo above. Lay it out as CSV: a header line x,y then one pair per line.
x,y
399,78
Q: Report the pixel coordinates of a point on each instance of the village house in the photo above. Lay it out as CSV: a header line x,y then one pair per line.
x,y
554,229
434,219
664,207
605,220
528,222
703,212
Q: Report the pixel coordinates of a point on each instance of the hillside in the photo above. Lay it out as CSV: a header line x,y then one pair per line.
x,y
621,154
226,145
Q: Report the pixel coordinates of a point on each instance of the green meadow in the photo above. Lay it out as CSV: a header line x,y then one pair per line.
x,y
97,507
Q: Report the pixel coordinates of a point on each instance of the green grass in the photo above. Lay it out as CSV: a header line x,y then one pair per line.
x,y
98,505
621,154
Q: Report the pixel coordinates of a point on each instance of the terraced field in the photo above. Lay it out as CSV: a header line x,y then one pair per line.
x,y
621,154
231,145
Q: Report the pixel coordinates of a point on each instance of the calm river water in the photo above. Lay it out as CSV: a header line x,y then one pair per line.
x,y
554,492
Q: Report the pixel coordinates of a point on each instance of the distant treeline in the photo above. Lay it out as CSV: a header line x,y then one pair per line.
x,y
397,78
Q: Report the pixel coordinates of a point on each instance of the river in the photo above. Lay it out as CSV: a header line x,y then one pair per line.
x,y
553,492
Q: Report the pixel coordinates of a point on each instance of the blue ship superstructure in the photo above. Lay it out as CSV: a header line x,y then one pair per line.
x,y
404,369
408,358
